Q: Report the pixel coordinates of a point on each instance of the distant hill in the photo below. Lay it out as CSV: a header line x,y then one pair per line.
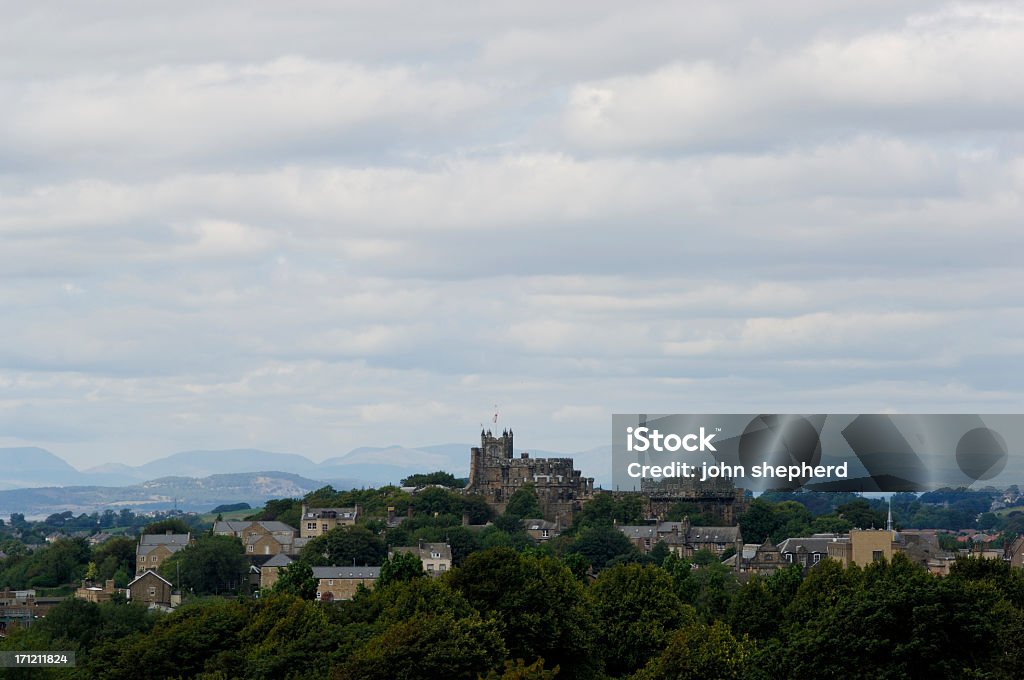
x,y
31,466
187,493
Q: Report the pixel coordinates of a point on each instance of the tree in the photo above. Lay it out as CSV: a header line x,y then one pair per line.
x,y
637,609
601,544
859,513
213,565
429,646
759,521
701,651
546,611
114,555
440,477
345,545
523,504
296,579
173,525
402,566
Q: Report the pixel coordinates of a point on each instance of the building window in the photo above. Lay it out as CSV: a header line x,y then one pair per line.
x,y
441,568
323,528
789,557
251,548
817,557
876,555
311,526
330,582
152,591
544,533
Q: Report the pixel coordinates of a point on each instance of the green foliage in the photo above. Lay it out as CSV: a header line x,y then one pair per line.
x,y
345,545
173,525
296,579
429,646
604,510
601,544
523,504
701,651
692,512
402,566
440,477
287,510
520,671
547,612
231,507
213,565
637,608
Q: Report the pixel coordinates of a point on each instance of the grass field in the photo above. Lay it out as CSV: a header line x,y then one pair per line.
x,y
1006,512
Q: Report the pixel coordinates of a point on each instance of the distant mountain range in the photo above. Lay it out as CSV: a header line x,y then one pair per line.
x,y
184,493
231,475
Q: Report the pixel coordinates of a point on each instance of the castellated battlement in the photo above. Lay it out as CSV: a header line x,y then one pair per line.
x,y
496,473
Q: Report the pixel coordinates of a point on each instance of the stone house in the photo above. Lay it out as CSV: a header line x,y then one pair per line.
x,y
341,583
150,588
318,521
153,549
436,557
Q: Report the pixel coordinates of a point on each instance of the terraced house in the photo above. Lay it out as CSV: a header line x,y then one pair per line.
x,y
153,549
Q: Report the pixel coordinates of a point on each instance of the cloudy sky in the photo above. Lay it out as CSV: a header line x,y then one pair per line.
x,y
313,227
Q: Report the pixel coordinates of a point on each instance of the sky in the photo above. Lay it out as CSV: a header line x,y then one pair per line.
x,y
309,227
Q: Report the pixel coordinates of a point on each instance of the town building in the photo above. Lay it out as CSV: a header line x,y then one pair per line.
x,y
719,497
541,529
318,521
760,559
495,473
436,557
90,592
270,570
260,537
1014,553
809,550
682,538
341,583
151,588
153,549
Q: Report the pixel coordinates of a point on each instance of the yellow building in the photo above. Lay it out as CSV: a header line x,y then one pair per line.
x,y
866,546
318,521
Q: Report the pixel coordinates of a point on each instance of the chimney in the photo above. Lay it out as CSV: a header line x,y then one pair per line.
x,y
465,519
391,514
408,512
108,587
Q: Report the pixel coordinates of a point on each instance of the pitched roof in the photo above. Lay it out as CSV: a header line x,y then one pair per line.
x,y
812,544
278,560
425,550
635,532
147,573
713,534
235,526
346,572
165,539
538,524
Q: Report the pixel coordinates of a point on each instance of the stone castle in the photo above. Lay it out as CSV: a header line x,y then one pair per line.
x,y
495,473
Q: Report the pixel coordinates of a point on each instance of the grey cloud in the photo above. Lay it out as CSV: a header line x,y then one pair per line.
x,y
360,224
